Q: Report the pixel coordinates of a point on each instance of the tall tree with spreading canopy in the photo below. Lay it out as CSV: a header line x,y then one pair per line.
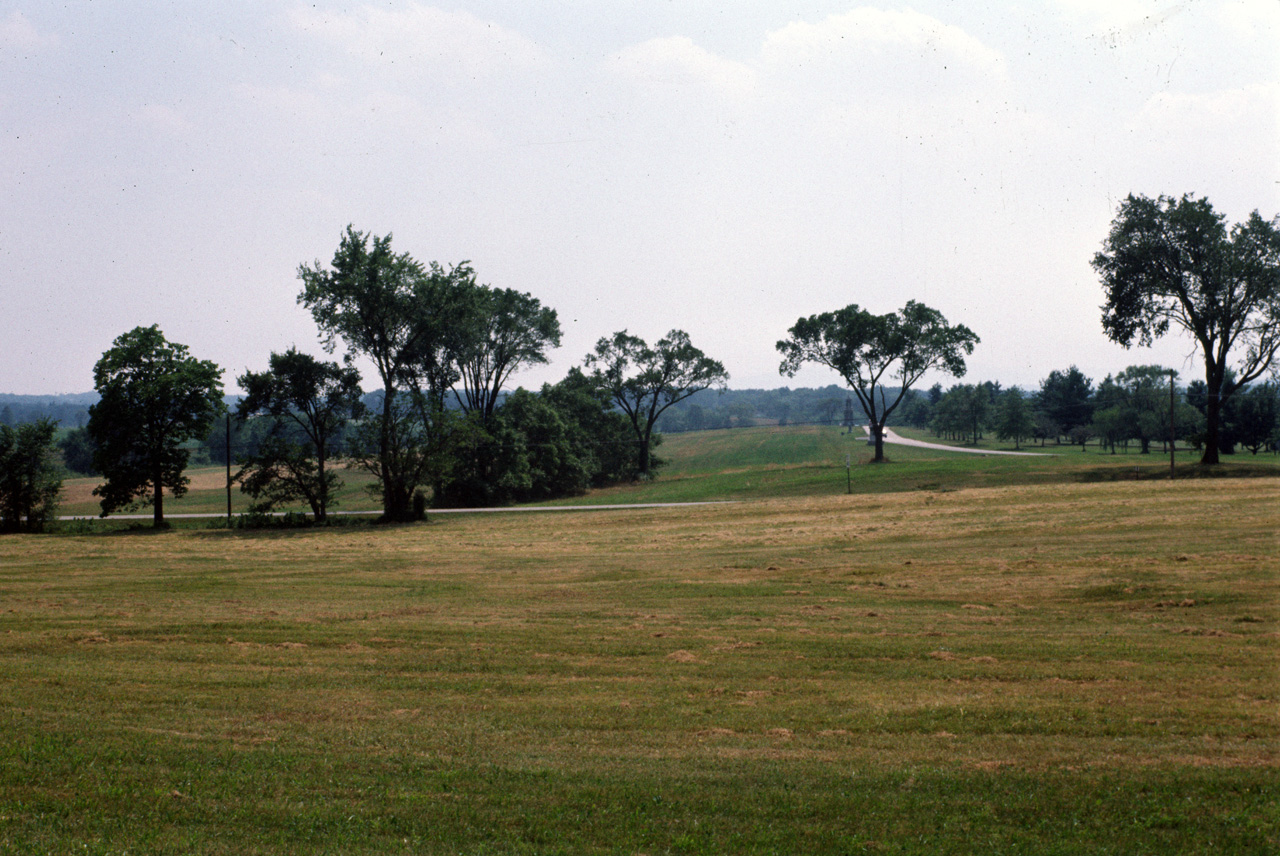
x,y
407,319
308,403
867,350
1173,263
505,331
644,381
154,396
499,332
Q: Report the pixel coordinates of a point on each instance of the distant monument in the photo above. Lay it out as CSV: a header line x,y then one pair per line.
x,y
848,414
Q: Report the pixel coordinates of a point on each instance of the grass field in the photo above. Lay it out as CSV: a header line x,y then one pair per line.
x,y
1084,666
768,462
771,463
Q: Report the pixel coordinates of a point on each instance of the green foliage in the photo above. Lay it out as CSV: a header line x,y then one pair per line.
x,y
504,331
868,350
599,435
1065,399
308,404
1257,417
644,381
1014,420
30,478
553,444
411,321
246,438
1173,263
557,465
77,451
486,464
1111,424
154,397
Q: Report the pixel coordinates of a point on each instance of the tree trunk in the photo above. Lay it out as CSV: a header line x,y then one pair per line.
x,y
384,455
644,454
1212,416
157,519
322,505
397,505
877,432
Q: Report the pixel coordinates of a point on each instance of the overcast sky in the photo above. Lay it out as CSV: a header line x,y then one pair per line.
x,y
723,168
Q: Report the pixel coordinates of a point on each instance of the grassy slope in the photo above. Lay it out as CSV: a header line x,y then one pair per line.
x,y
760,463
1083,668
770,462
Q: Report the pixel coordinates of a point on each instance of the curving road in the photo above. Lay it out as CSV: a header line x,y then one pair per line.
x,y
891,437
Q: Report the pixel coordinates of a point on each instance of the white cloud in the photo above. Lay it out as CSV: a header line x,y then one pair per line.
x,y
676,63
419,38
873,50
1250,16
1215,113
1119,22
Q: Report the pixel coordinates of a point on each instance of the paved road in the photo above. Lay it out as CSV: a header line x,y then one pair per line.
x,y
891,437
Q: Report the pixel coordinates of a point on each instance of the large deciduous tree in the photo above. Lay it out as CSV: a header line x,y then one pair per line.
x,y
407,319
644,381
867,350
30,479
504,331
499,332
308,403
1174,263
154,396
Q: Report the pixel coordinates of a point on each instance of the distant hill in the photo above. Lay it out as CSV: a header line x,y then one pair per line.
x,y
69,411
83,399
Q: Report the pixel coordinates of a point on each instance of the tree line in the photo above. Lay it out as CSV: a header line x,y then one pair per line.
x,y
1142,405
445,347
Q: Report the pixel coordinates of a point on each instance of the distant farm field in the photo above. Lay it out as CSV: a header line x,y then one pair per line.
x,y
1075,667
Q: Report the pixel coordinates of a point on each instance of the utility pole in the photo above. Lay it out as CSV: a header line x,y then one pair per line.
x,y
228,468
1173,431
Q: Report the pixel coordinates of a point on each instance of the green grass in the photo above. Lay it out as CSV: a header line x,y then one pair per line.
x,y
1066,668
771,462
766,462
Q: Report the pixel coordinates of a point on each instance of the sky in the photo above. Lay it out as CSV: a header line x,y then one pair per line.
x,y
721,168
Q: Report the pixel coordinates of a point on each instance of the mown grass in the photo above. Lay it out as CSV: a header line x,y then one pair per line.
x,y
207,494
766,462
771,462
1078,668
